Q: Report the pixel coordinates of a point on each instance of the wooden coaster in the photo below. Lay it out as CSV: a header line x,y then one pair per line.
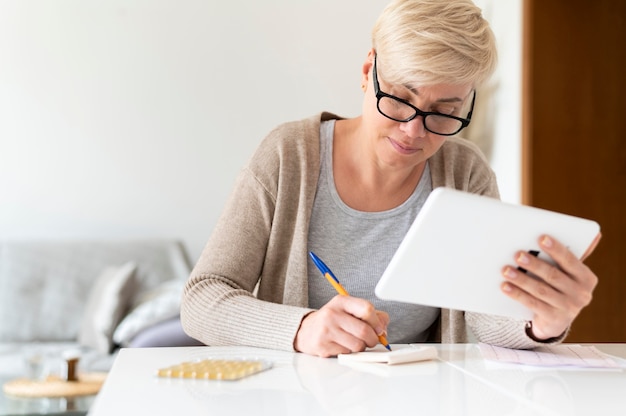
x,y
87,384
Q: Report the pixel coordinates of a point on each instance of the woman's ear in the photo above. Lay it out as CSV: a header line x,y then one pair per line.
x,y
367,67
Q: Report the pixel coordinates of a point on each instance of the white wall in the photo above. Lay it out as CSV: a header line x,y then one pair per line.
x,y
131,118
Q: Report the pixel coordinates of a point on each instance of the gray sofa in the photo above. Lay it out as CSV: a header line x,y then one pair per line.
x,y
89,296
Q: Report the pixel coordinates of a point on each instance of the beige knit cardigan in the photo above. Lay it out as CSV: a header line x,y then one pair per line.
x,y
249,286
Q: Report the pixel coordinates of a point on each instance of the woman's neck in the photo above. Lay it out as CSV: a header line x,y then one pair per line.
x,y
362,182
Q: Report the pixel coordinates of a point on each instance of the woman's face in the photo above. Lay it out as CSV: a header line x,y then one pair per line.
x,y
408,144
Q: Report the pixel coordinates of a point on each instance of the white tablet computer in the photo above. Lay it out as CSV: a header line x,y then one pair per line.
x,y
453,254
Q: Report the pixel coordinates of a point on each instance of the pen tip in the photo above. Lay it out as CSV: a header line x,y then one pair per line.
x,y
388,347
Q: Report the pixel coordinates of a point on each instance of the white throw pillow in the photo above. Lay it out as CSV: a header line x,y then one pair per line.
x,y
109,299
159,305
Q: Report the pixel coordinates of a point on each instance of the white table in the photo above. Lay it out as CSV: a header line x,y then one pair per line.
x,y
460,382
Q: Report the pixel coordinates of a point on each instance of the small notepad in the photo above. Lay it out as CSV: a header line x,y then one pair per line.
x,y
408,354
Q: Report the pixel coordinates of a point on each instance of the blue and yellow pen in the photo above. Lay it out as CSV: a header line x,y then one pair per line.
x,y
340,289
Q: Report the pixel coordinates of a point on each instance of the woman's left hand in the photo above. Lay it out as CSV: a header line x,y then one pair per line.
x,y
561,292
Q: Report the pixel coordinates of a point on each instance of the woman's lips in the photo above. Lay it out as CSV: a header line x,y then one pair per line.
x,y
402,148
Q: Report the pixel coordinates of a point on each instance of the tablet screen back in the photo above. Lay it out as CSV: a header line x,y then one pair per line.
x,y
454,252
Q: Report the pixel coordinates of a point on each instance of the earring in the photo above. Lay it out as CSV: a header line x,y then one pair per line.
x,y
363,87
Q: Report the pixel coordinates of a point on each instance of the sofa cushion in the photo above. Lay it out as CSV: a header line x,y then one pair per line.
x,y
168,333
108,301
157,305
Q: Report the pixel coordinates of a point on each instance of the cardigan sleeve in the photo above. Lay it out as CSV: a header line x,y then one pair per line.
x,y
218,305
505,332
249,286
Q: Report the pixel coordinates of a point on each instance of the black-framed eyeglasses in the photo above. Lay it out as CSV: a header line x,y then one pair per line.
x,y
403,111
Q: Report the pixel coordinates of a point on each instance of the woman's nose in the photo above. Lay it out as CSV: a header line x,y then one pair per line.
x,y
414,128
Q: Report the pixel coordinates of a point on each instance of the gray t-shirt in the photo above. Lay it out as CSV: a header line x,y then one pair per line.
x,y
357,246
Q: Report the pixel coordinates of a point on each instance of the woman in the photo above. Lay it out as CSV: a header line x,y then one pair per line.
x,y
348,189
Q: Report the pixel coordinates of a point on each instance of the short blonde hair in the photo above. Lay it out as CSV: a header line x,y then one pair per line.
x,y
427,42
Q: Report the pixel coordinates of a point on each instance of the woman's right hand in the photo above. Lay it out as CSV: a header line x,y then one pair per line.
x,y
345,324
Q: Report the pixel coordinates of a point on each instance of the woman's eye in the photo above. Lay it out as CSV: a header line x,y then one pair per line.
x,y
448,111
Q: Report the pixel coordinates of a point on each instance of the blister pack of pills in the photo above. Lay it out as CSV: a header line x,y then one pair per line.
x,y
215,369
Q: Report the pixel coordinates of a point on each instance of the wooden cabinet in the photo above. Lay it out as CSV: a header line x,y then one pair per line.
x,y
574,137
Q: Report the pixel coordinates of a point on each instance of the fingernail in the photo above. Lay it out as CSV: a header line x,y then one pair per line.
x,y
523,258
506,287
510,273
546,241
